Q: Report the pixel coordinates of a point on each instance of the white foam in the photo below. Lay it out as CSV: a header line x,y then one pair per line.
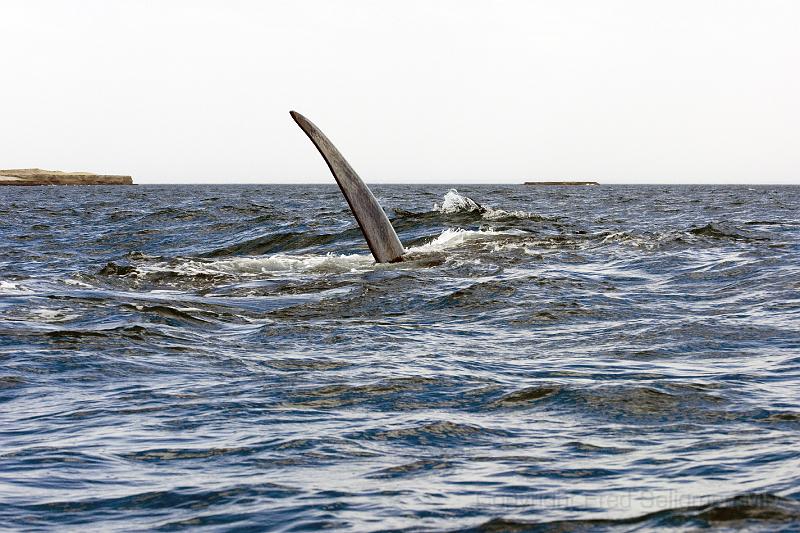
x,y
619,236
316,263
648,242
51,315
452,238
453,202
456,203
496,214
449,238
77,283
313,263
9,289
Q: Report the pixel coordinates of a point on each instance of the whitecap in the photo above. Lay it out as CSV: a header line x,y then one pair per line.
x,y
44,314
452,238
8,288
453,202
253,266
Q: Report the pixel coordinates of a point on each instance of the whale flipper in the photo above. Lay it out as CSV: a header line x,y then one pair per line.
x,y
378,231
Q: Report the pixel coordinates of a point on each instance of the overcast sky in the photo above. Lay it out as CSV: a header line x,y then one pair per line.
x,y
432,91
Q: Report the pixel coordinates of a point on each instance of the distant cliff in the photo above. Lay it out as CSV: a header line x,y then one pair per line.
x,y
37,176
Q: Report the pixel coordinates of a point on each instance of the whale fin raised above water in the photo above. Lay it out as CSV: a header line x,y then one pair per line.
x,y
378,231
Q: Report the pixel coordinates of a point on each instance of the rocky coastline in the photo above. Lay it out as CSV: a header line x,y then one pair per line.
x,y
561,183
37,176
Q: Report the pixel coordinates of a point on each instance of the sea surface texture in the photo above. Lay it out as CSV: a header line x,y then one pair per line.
x,y
608,358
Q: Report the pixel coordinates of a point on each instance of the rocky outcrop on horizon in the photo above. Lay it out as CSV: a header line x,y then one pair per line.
x,y
37,176
562,183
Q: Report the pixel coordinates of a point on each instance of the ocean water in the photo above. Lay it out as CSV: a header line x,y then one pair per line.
x,y
609,358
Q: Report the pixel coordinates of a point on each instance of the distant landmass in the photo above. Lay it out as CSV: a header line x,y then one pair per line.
x,y
561,183
37,176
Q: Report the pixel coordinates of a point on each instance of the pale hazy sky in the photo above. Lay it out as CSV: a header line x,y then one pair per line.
x,y
434,91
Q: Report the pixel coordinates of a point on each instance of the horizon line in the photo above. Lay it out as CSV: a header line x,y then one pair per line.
x,y
546,183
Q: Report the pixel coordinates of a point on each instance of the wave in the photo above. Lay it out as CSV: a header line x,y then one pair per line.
x,y
432,433
708,234
454,238
455,209
763,511
647,241
330,263
725,232
293,251
456,203
291,240
45,315
8,288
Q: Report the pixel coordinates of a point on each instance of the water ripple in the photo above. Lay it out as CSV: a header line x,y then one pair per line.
x,y
611,358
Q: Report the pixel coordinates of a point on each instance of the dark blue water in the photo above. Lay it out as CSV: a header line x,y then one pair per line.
x,y
229,357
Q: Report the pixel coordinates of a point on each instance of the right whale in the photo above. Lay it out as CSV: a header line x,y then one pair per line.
x,y
378,231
